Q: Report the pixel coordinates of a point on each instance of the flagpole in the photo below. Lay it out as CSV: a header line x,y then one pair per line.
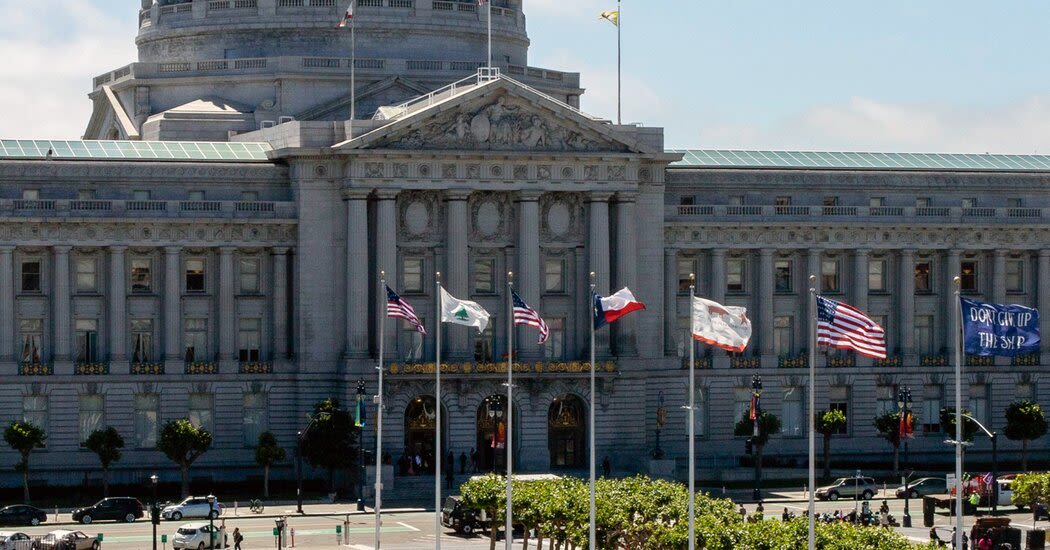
x,y
957,327
692,419
437,406
592,538
619,20
353,68
510,402
812,406
379,410
489,4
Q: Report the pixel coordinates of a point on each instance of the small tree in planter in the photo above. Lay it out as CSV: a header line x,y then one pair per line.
x,y
828,423
24,437
1025,421
183,443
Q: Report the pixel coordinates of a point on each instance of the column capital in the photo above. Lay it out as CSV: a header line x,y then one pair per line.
x,y
62,249
599,196
861,252
279,250
227,250
952,252
766,252
529,196
999,253
670,253
172,250
906,252
387,194
626,197
356,194
457,194
7,248
812,252
117,248
718,252
1044,253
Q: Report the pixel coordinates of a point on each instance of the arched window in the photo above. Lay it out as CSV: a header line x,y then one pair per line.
x,y
566,432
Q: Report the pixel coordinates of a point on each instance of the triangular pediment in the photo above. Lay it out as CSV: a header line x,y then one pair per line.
x,y
394,89
108,119
499,115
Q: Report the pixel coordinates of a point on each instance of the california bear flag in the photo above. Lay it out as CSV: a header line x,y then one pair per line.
x,y
462,312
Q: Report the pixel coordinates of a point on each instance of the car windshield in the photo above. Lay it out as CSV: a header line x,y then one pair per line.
x,y
187,531
840,481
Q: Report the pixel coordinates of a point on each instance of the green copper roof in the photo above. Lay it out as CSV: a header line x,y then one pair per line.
x,y
710,158
134,150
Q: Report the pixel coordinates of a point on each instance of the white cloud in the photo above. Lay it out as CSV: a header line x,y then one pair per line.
x,y
56,50
1022,126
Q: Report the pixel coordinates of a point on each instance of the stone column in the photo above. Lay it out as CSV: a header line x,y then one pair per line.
x,y
7,304
386,256
1043,294
999,290
671,335
598,262
62,320
718,294
765,308
172,308
357,290
280,303
952,269
860,292
118,310
457,269
227,310
527,279
809,325
906,306
626,270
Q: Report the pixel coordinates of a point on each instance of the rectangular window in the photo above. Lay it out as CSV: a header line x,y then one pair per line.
x,y
782,201
885,399
686,200
700,412
782,275
922,202
685,267
31,276
736,200
829,275
31,332
87,340
411,342
141,195
201,414
249,196
838,400
483,344
735,268
554,275
35,411
877,202
196,338
1015,276
1015,202
741,402
830,201
412,274
141,340
92,416
969,202
979,402
922,277
249,273
968,276
877,275
248,338
923,334
31,194
255,417
146,426
87,274
931,409
883,321
484,275
1025,390
792,417
195,275
783,341
141,275
196,195
554,347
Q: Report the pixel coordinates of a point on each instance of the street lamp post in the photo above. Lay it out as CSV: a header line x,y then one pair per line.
x,y
299,472
756,388
211,519
361,451
903,400
153,517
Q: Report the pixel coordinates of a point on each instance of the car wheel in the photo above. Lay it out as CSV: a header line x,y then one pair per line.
x,y
833,495
85,519
867,494
913,494
214,514
200,546
34,522
129,518
176,516
468,529
95,545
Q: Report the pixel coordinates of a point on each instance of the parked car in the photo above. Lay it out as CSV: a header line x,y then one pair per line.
x,y
457,516
192,507
924,486
197,536
67,540
15,540
21,514
850,487
113,508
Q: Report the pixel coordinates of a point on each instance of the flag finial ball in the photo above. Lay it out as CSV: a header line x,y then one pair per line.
x,y
692,276
812,278
382,274
956,280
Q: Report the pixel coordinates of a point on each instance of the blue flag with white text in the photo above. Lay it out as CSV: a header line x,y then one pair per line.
x,y
997,329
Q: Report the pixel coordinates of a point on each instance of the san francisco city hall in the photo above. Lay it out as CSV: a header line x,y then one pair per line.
x,y
212,250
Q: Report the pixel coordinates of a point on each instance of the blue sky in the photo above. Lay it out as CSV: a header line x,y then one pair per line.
x,y
894,75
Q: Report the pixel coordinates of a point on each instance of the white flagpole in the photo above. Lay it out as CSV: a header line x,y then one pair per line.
x,y
592,538
489,4
619,21
510,404
437,406
812,406
692,418
379,409
957,327
353,68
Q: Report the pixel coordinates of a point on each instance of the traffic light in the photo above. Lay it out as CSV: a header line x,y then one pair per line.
x,y
748,446
154,514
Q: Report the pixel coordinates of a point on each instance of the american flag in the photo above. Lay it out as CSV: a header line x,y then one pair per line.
x,y
396,306
525,315
840,325
347,16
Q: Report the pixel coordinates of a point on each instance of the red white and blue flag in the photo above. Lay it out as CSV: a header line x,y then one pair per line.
x,y
482,2
843,326
607,310
525,315
347,16
396,306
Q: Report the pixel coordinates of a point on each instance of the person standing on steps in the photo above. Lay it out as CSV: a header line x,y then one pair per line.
x,y
450,470
462,463
606,467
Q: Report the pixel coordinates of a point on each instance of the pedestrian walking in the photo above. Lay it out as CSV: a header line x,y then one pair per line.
x,y
473,461
450,470
237,538
606,467
462,463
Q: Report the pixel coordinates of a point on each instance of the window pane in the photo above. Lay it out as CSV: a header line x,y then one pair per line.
x,y
1015,276
31,276
195,275
554,275
255,418
141,340
922,277
877,275
782,269
924,334
141,275
411,342
483,343
554,347
735,275
782,335
196,340
146,427
412,274
829,275
248,339
87,340
791,412
91,415
35,411
87,278
484,275
249,270
685,267
201,410
30,336
968,276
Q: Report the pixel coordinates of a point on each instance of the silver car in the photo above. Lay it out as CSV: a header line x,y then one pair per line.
x,y
192,507
848,487
15,540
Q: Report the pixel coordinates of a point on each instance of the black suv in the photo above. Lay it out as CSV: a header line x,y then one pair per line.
x,y
455,515
115,508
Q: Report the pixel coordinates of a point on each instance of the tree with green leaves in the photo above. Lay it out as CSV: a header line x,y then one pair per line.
x,y
331,440
1025,421
768,424
969,427
487,493
106,443
888,424
183,443
24,437
268,453
828,423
